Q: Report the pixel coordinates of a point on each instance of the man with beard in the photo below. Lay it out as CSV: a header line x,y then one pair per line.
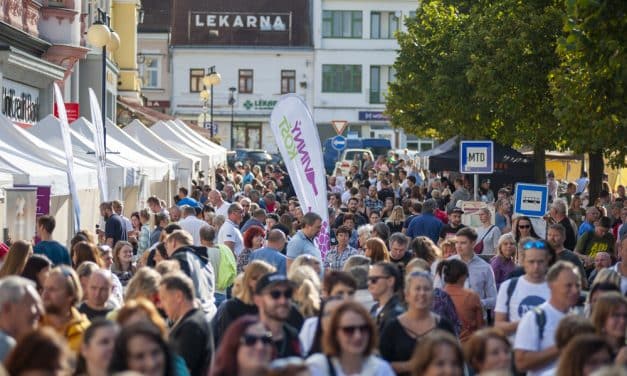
x,y
62,291
454,224
398,251
115,229
273,295
353,202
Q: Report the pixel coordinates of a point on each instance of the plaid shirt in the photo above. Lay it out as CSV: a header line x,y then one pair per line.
x,y
374,204
335,260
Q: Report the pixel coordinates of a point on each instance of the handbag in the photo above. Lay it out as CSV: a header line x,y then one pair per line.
x,y
478,248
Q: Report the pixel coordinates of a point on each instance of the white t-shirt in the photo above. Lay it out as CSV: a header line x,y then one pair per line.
x,y
525,297
223,209
229,232
491,240
192,225
307,333
372,366
623,279
528,334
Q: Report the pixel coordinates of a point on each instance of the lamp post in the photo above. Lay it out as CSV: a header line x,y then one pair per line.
x,y
212,78
204,97
101,35
232,103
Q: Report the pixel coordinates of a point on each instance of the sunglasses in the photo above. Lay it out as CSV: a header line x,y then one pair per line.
x,y
524,226
351,329
375,279
537,244
252,340
276,294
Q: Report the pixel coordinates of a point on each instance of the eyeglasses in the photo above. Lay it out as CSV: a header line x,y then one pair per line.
x,y
252,340
375,278
351,329
276,294
524,226
537,244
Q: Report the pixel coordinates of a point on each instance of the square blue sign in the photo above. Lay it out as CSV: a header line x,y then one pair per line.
x,y
476,157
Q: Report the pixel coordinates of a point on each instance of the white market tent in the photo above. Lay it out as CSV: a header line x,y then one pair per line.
x,y
33,162
120,172
182,143
162,188
218,154
187,166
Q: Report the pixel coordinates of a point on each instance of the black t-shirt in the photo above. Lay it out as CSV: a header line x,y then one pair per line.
x,y
385,193
115,228
448,229
93,313
397,345
571,237
191,339
289,345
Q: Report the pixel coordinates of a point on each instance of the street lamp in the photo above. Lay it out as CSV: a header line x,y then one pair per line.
x,y
100,34
212,78
204,97
232,103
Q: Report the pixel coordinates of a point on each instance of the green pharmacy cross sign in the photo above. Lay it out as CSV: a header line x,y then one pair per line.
x,y
259,104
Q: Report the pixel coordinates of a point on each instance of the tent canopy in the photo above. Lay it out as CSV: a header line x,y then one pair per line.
x,y
218,154
182,143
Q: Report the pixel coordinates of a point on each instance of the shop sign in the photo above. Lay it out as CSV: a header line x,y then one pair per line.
x,y
250,21
373,116
72,110
20,102
260,104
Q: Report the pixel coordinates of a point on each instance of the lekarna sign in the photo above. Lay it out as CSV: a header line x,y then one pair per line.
x,y
531,199
476,157
339,143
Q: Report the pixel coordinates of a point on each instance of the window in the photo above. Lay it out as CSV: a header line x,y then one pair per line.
x,y
380,77
246,81
341,78
195,80
150,71
341,24
288,81
383,25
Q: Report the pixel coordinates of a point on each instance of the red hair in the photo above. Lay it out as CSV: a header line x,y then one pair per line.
x,y
251,233
226,356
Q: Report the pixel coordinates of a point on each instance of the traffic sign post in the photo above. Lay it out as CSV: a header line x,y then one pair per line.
x,y
338,143
531,200
339,126
476,157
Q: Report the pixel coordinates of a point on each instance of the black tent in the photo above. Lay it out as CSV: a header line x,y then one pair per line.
x,y
510,166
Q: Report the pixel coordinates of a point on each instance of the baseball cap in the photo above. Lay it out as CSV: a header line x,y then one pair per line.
x,y
272,279
457,210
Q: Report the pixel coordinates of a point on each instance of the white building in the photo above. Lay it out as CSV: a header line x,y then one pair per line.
x,y
355,48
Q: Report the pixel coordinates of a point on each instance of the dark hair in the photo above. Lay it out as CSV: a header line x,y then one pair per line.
x,y
171,228
179,281
226,357
335,277
452,270
574,357
183,190
33,266
425,353
476,346
88,334
43,350
532,232
391,269
160,217
467,232
119,358
382,230
316,344
47,222
343,230
571,326
85,251
424,248
605,222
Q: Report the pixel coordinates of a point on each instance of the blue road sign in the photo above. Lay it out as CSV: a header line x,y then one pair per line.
x,y
531,200
338,143
476,157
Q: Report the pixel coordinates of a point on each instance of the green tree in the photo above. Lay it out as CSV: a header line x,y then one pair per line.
x,y
589,85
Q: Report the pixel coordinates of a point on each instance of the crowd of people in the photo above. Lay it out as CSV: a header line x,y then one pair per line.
x,y
230,280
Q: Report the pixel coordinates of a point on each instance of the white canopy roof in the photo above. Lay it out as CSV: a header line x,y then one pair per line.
x,y
32,161
218,153
182,143
143,135
154,169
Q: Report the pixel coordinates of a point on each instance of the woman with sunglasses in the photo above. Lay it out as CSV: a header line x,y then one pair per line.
x,y
247,349
524,229
401,335
348,345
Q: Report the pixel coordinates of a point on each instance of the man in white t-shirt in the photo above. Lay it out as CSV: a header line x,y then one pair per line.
x,y
621,267
229,233
220,206
191,223
534,347
520,294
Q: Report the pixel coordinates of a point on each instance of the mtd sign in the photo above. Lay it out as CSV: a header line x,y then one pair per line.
x,y
476,157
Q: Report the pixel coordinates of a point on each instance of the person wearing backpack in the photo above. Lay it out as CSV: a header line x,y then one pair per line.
x,y
535,351
518,295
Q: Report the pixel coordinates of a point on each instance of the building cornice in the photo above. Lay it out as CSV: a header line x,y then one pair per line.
x,y
27,42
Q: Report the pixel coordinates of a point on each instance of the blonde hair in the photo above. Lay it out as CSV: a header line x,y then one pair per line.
x,y
417,264
607,275
307,295
145,283
397,215
253,271
237,284
505,237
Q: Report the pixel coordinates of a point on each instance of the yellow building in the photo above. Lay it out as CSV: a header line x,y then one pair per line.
x,y
124,20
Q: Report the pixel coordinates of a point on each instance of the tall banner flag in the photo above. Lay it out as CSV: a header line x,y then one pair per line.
x,y
101,155
69,156
297,137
